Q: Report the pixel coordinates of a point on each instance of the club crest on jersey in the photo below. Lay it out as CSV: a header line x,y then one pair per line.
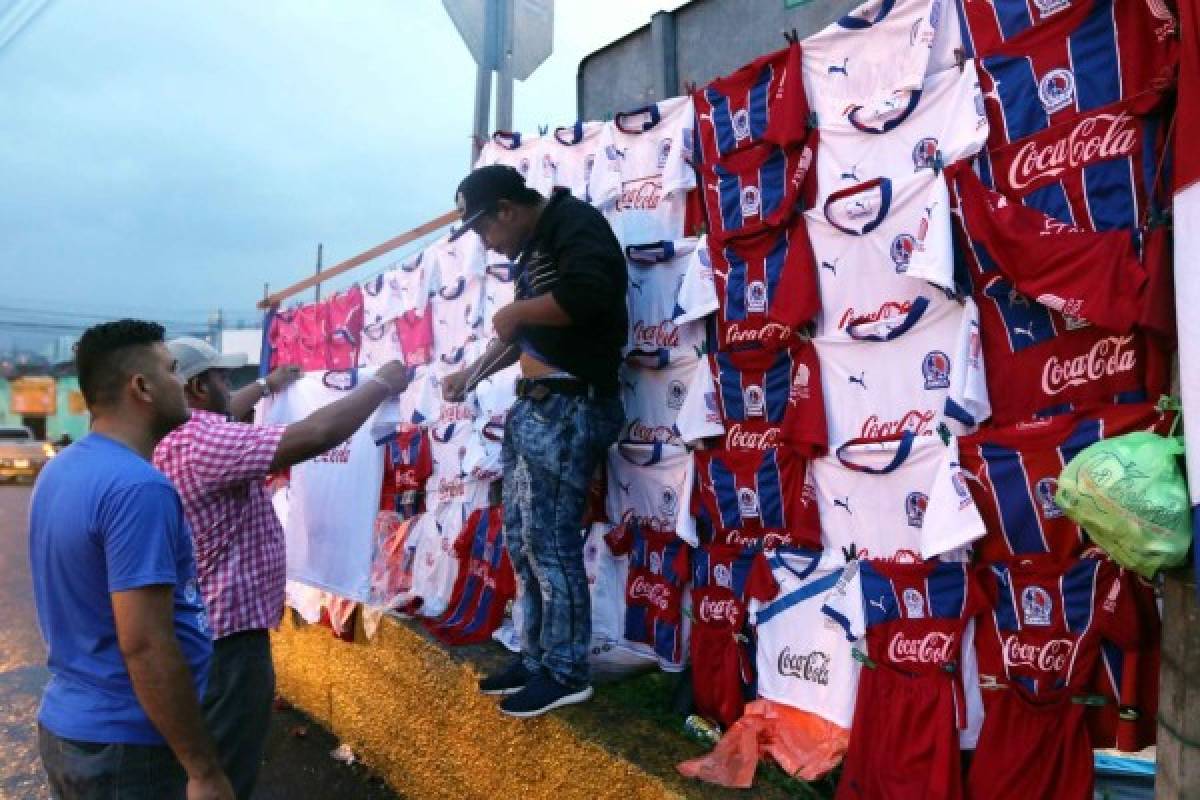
x,y
924,154
751,201
902,250
914,604
664,150
1056,89
676,392
755,400
656,563
747,502
668,503
1045,489
914,508
1049,7
756,297
936,369
1036,606
741,124
800,383
722,576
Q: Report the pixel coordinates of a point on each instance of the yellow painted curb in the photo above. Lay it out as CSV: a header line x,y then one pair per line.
x,y
415,716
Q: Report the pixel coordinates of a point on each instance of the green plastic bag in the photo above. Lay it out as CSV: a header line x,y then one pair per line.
x,y
1129,493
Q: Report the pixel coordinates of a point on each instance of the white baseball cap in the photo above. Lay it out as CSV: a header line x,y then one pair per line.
x,y
194,356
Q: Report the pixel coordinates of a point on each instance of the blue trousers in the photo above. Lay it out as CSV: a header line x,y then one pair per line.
x,y
551,449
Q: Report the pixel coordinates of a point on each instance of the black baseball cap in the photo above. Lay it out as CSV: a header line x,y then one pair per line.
x,y
481,191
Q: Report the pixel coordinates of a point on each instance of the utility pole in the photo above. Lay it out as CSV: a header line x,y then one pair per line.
x,y
504,63
320,256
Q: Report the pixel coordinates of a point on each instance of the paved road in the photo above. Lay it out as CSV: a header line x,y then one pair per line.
x,y
298,765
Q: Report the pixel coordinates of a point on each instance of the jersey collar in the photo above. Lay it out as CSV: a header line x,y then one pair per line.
x,y
859,116
884,187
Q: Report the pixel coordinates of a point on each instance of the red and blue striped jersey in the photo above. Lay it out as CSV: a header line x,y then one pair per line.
x,y
1012,473
760,102
724,580
407,465
757,498
756,189
484,585
1048,619
658,570
758,400
762,288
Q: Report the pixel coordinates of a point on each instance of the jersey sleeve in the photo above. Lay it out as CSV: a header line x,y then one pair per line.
x,y
1117,608
141,530
697,293
805,428
699,416
797,299
604,184
951,519
685,522
761,586
620,539
678,173
968,404
844,603
933,259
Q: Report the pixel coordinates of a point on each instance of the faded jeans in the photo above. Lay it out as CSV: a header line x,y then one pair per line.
x,y
551,449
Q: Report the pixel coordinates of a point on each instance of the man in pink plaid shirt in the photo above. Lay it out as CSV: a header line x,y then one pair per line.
x,y
220,466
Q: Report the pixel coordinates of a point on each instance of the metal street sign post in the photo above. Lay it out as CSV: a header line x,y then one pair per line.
x,y
509,37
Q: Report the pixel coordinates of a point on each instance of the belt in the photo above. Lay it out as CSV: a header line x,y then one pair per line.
x,y
539,388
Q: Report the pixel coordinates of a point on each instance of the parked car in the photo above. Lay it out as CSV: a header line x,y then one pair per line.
x,y
21,456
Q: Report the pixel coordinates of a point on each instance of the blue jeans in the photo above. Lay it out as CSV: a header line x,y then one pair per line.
x,y
97,771
551,449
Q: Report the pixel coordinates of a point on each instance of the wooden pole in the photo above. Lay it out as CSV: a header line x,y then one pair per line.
x,y
1178,768
362,258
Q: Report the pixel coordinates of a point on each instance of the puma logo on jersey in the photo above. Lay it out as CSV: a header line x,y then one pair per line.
x,y
850,174
625,486
861,380
881,604
831,267
637,285
834,70
1023,331
843,503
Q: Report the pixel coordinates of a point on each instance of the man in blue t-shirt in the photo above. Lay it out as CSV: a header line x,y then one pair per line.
x,y
114,580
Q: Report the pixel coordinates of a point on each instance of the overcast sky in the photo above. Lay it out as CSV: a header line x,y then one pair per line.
x,y
164,159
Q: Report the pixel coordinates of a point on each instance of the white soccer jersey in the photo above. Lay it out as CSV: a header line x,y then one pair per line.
x,y
907,373
643,172
863,58
907,494
435,566
864,238
571,151
499,289
523,153
380,341
652,399
412,282
656,273
652,483
330,524
607,575
904,134
804,659
457,304
490,400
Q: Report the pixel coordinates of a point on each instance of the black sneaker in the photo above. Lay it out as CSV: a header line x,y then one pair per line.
x,y
540,695
510,681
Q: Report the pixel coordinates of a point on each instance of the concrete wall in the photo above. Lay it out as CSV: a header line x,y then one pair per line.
x,y
695,43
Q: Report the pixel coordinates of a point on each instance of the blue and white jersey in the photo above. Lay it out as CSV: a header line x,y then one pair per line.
x,y
656,272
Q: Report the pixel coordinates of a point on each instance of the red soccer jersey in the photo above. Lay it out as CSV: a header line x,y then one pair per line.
x,y
1039,361
757,189
1012,473
282,337
757,400
761,102
1011,26
415,329
311,341
407,465
344,323
658,571
1097,54
763,287
484,585
1109,293
724,580
1093,171
757,498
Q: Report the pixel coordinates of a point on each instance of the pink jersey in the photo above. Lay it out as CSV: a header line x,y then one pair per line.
x,y
415,332
312,344
344,324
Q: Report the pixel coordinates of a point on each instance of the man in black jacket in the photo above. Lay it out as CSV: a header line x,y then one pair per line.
x,y
566,329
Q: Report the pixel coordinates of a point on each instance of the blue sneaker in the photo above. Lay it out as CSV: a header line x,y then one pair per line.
x,y
540,695
510,681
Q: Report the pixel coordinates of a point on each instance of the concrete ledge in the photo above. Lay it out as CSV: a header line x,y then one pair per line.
x,y
410,709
